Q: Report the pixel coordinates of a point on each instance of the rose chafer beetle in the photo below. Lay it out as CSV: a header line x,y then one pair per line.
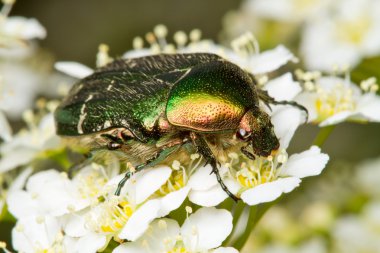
x,y
149,108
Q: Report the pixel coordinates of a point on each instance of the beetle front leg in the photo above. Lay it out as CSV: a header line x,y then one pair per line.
x,y
247,153
206,152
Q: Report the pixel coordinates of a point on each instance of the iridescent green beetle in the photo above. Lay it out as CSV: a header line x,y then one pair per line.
x,y
150,107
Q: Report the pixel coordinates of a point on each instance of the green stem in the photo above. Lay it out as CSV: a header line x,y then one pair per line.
x,y
322,135
252,221
255,215
237,211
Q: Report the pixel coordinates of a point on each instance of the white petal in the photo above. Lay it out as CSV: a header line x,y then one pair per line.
x,y
140,219
14,159
271,60
5,128
203,179
308,163
307,99
75,225
21,204
240,226
137,53
207,228
286,121
211,197
38,181
154,240
336,118
29,235
149,181
23,28
225,250
173,200
283,87
369,106
56,193
91,243
73,69
268,192
129,248
19,182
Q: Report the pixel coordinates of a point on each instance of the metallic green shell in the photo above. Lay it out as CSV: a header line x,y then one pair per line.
x,y
211,97
130,93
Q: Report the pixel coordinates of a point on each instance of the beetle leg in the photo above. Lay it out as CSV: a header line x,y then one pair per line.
x,y
267,99
158,156
247,153
206,152
117,139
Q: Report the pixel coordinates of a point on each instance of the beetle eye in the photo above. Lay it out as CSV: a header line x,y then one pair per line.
x,y
242,134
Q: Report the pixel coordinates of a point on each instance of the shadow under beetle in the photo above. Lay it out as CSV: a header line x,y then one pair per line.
x,y
149,107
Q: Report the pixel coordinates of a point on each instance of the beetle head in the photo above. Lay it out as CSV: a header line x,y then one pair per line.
x,y
255,127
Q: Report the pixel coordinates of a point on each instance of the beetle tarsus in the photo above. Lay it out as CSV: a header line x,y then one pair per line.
x,y
122,183
221,183
206,152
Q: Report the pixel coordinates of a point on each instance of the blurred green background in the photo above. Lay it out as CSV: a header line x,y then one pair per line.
x,y
76,28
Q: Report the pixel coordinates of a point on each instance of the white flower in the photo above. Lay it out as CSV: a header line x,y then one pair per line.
x,y
120,217
37,234
245,50
342,35
73,69
203,231
262,180
331,100
285,10
5,128
86,208
358,233
367,177
15,31
29,144
47,193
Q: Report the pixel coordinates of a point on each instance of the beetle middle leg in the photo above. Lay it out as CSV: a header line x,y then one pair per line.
x,y
206,152
157,157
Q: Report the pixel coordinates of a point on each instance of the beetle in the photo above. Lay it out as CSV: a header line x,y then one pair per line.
x,y
150,107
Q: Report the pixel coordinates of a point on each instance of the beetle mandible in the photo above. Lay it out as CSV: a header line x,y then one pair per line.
x,y
149,107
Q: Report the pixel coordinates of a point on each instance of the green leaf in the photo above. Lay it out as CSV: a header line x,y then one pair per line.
x,y
369,67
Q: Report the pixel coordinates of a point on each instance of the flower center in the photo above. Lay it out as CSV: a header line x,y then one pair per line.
x,y
176,181
178,250
90,185
353,31
331,102
250,173
113,216
304,5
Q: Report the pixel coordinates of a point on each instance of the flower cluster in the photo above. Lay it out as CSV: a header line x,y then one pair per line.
x,y
58,213
332,99
345,222
332,33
